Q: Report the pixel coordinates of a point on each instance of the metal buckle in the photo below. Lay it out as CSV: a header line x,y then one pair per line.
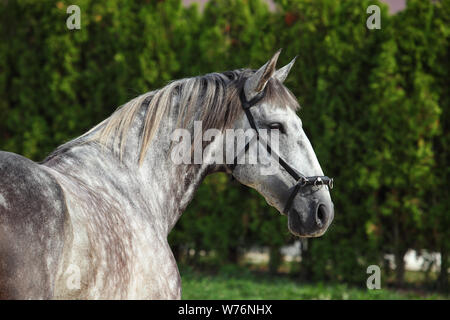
x,y
330,183
303,181
318,181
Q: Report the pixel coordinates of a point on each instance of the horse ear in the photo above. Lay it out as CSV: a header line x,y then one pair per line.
x,y
257,82
282,73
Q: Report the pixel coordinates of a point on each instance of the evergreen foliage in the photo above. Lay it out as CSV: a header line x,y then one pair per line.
x,y
375,104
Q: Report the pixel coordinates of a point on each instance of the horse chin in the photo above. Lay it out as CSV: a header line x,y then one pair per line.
x,y
298,228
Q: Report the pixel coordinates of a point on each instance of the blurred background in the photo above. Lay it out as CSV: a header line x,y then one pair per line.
x,y
375,105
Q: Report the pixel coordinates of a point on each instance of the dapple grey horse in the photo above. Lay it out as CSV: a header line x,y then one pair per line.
x,y
91,221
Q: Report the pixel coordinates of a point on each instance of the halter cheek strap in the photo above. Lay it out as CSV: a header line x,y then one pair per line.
x,y
301,180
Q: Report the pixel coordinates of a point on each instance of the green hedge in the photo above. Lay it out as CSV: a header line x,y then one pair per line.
x,y
374,103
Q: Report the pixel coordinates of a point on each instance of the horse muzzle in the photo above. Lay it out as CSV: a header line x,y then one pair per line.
x,y
312,219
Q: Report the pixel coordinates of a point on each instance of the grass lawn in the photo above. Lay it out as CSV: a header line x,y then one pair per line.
x,y
248,285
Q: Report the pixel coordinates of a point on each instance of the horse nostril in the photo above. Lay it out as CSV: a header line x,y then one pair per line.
x,y
321,215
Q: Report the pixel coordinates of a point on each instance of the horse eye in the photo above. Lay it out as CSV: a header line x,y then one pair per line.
x,y
276,126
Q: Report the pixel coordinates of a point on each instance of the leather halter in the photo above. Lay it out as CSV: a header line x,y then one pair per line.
x,y
301,180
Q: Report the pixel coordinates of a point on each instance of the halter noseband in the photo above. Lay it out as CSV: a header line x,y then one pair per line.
x,y
301,180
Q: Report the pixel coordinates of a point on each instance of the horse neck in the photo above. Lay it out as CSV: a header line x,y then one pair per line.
x,y
171,186
157,186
